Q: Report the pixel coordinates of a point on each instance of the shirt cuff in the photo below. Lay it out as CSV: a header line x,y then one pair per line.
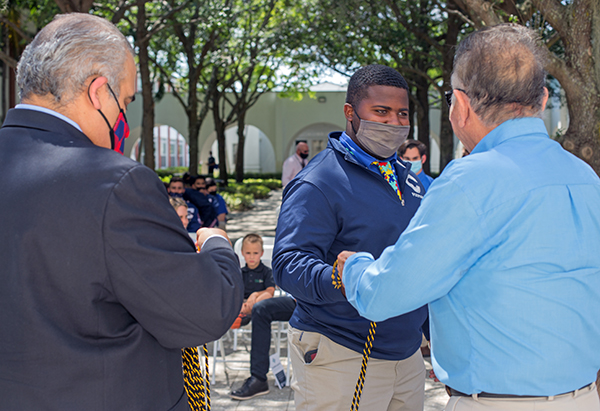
x,y
354,267
213,236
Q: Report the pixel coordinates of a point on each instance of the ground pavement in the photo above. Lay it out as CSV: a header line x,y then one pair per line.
x,y
262,219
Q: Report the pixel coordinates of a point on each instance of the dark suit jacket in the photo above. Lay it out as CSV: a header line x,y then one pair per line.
x,y
100,283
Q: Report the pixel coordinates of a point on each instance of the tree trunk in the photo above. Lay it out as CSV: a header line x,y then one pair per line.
x,y
220,130
147,134
424,130
582,136
446,133
578,70
239,164
193,126
578,73
413,109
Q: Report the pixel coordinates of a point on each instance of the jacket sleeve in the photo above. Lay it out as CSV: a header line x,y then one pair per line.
x,y
306,229
181,297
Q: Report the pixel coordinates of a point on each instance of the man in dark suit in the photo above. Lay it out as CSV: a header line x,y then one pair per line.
x,y
101,285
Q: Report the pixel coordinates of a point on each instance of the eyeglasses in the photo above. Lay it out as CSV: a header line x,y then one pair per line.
x,y
448,95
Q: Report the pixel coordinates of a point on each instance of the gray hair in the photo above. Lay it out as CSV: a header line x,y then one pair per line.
x,y
501,70
68,51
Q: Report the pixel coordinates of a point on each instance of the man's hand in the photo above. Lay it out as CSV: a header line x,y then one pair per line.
x,y
246,309
203,233
342,257
341,260
433,376
252,299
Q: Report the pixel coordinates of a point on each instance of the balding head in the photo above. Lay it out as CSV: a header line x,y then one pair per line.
x,y
67,52
302,148
500,68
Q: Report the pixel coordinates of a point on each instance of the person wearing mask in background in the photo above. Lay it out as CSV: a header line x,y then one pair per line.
x,y
220,205
293,164
176,189
198,196
415,152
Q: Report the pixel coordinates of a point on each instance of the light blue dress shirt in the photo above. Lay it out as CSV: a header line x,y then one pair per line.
x,y
505,248
48,111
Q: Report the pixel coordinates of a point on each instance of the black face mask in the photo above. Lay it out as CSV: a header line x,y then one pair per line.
x,y
304,156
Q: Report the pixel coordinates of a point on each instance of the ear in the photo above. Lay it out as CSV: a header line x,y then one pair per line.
x,y
461,108
423,158
95,92
348,111
545,98
262,253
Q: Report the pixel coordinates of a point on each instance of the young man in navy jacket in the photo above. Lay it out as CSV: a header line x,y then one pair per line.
x,y
356,194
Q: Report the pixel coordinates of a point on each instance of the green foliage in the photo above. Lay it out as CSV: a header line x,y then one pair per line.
x,y
171,171
271,183
256,190
238,201
274,176
241,196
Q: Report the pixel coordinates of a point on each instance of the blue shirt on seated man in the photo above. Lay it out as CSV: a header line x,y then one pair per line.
x,y
505,244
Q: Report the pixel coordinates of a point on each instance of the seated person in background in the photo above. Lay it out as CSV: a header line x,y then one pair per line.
x,y
415,152
198,196
263,310
176,189
181,209
199,184
221,206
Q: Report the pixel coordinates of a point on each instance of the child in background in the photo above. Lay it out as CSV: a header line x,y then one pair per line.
x,y
258,278
181,208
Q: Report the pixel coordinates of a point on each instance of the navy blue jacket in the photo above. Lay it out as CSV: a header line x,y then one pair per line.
x,y
336,204
204,204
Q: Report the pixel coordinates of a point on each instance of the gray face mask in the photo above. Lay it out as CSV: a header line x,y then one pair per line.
x,y
381,139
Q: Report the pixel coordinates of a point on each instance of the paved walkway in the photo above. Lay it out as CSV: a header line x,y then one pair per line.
x,y
262,219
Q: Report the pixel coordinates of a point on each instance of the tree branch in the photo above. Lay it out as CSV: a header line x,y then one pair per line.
x,y
122,8
482,9
461,15
16,28
168,78
8,60
411,28
554,12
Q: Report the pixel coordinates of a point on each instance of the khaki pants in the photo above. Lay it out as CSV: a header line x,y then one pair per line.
x,y
585,399
328,382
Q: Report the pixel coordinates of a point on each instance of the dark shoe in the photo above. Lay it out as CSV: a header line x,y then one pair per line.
x,y
251,388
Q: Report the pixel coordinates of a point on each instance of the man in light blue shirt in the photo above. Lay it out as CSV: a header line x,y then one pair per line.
x,y
513,286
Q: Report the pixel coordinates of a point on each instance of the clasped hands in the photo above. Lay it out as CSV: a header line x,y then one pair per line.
x,y
341,260
203,234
